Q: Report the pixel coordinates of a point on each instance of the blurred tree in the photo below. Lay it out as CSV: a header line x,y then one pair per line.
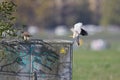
x,y
7,19
50,13
75,11
83,13
45,13
25,11
35,12
111,12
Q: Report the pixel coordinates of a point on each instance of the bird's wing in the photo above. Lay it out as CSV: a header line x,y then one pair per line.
x,y
83,32
75,33
77,29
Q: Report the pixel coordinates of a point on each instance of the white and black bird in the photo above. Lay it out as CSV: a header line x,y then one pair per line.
x,y
77,31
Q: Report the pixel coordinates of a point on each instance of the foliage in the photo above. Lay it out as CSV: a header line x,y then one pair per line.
x,y
34,12
7,18
111,12
51,13
84,14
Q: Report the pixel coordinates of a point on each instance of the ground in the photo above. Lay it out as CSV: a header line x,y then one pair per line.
x,y
97,65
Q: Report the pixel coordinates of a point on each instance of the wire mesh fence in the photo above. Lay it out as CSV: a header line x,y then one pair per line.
x,y
36,60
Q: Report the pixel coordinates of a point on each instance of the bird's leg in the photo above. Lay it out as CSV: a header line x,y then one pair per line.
x,y
78,40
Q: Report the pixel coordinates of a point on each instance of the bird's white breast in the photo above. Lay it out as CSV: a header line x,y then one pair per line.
x,y
77,27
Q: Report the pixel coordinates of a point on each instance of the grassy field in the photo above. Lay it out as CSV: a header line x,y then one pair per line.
x,y
98,65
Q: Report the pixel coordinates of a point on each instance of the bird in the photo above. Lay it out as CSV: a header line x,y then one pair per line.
x,y
77,32
26,35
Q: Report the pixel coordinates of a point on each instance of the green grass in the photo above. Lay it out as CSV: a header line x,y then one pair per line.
x,y
97,65
91,65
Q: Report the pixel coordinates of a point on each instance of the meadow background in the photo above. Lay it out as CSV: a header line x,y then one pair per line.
x,y
98,65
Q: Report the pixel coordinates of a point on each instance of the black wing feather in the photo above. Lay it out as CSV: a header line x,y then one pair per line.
x,y
83,32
